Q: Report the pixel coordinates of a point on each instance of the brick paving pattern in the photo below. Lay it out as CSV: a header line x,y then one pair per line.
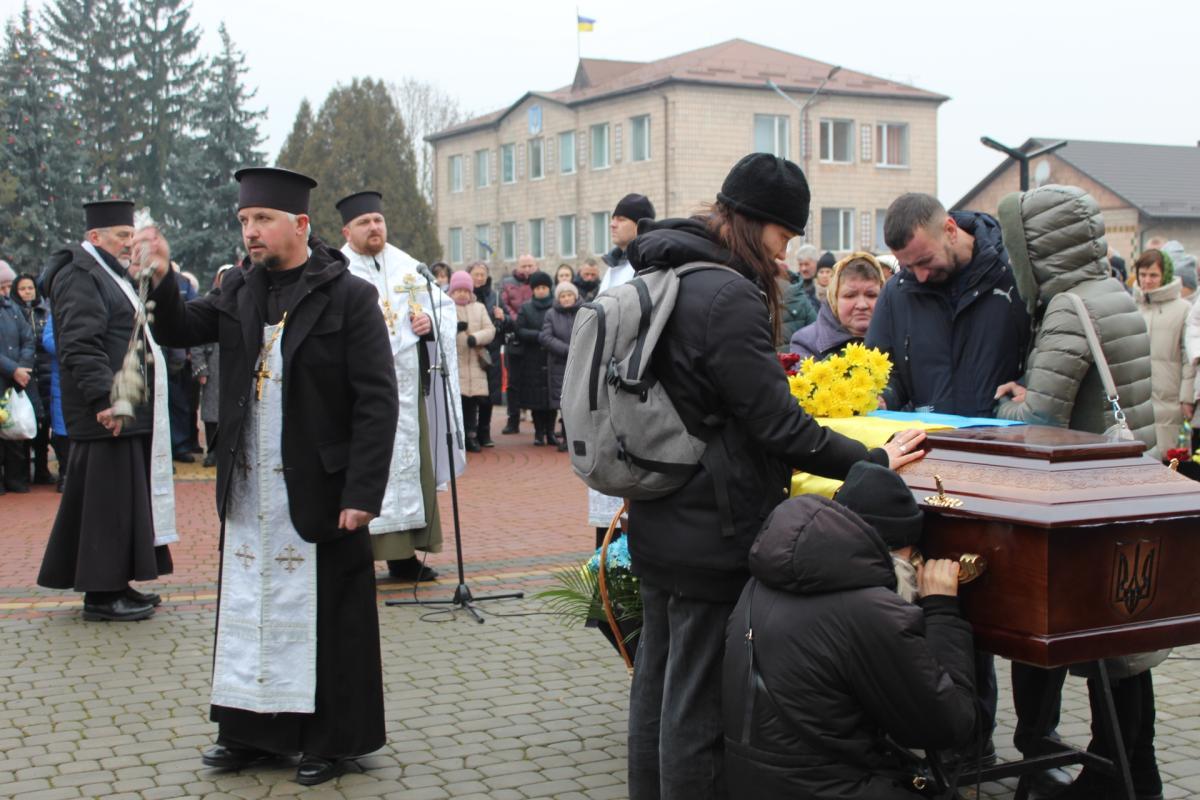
x,y
519,707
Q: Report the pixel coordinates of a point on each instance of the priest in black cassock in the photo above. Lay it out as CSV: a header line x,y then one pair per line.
x,y
307,414
117,514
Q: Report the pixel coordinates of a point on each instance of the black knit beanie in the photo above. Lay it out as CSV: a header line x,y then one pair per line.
x,y
635,207
540,278
883,500
768,188
827,259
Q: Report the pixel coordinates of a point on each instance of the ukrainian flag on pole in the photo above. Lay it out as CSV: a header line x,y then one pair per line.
x,y
585,23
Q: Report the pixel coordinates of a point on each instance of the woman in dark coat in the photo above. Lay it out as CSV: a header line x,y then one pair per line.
x,y
847,652
534,379
716,359
35,310
853,290
485,294
556,339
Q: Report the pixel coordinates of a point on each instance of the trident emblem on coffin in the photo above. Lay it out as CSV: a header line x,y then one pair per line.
x,y
1135,574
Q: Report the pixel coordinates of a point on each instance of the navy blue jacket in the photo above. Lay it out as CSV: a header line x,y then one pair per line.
x,y
16,345
952,344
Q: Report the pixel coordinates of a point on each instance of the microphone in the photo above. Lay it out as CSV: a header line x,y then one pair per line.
x,y
426,273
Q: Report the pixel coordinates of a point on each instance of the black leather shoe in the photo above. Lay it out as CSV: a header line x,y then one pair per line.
x,y
510,429
210,460
486,441
221,757
184,458
44,479
143,598
314,770
1056,781
122,609
473,445
411,569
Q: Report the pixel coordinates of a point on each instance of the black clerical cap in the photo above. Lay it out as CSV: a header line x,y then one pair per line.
x,y
271,187
359,203
108,213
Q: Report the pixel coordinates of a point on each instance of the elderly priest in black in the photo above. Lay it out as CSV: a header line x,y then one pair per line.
x,y
307,414
117,514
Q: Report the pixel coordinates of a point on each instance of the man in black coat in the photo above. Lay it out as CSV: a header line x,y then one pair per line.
x,y
308,411
951,320
828,671
112,510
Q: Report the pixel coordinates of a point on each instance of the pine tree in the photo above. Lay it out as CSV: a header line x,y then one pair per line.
x,y
358,141
167,76
293,145
41,149
90,43
226,139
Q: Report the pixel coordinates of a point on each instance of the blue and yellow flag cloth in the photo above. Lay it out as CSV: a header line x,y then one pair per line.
x,y
585,23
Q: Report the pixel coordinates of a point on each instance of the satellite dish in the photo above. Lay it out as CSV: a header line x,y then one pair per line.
x,y
1041,174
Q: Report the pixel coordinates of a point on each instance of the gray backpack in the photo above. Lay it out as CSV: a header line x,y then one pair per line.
x,y
625,437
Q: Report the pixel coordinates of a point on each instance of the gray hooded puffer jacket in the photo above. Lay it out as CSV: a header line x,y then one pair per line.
x,y
1055,238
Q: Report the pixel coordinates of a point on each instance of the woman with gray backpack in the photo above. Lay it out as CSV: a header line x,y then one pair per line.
x,y
715,359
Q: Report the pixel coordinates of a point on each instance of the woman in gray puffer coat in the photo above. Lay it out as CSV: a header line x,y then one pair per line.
x,y
1055,238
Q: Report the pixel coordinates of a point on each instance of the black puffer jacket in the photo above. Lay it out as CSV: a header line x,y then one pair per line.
x,y
845,660
93,322
534,369
717,357
952,344
556,339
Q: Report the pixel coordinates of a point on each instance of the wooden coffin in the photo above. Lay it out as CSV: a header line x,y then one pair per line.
x,y
1093,550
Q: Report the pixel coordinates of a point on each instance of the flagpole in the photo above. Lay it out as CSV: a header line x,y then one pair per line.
x,y
578,38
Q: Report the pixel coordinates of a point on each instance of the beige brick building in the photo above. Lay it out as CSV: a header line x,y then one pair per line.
x,y
1146,191
543,174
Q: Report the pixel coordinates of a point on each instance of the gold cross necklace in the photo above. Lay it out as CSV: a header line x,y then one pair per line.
x,y
263,374
389,315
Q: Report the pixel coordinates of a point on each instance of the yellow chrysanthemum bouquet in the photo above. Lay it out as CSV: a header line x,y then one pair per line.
x,y
844,385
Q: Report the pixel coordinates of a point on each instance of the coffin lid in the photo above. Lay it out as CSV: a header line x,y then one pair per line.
x,y
1048,477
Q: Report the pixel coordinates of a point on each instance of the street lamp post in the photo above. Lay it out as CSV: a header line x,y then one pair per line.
x,y
1021,158
804,107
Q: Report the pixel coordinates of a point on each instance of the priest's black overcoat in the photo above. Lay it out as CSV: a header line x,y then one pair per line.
x,y
340,409
339,384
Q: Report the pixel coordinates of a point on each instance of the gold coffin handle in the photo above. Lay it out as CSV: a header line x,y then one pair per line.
x,y
970,567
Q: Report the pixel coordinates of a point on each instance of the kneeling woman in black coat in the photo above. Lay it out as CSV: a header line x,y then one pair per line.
x,y
845,667
716,359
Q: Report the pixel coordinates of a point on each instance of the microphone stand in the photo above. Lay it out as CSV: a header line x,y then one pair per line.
x,y
462,593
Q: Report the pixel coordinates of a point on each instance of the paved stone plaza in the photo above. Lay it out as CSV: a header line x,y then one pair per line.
x,y
519,707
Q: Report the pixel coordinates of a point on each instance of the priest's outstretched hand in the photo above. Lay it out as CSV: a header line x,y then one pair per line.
x,y
351,519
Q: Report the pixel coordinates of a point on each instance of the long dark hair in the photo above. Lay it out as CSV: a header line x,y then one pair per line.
x,y
742,236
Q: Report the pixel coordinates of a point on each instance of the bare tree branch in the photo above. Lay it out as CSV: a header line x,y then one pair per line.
x,y
425,109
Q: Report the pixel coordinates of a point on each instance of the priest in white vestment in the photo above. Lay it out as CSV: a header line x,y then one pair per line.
x,y
419,317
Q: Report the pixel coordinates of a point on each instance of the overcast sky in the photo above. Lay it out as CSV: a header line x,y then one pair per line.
x,y
1116,71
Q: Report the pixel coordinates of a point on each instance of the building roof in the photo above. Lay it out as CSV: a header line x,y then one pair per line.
x,y
1158,180
734,63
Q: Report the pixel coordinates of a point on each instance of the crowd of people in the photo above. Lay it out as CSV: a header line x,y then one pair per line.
x,y
982,316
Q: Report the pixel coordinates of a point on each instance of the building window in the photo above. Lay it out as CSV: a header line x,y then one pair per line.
x,y
482,169
566,152
891,144
600,157
837,228
537,162
508,163
456,251
483,242
537,238
566,236
508,241
639,132
456,174
837,141
771,134
600,232
880,219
